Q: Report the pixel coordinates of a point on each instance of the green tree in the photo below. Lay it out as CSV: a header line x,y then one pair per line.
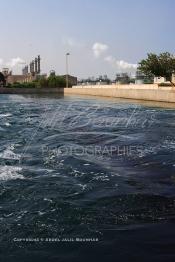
x,y
52,81
162,65
61,81
56,81
42,82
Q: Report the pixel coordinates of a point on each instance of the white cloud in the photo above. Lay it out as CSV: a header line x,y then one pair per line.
x,y
110,59
1,61
15,62
120,64
99,49
125,65
72,42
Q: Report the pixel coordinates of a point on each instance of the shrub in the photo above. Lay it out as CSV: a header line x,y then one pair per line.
x,y
16,85
23,85
29,85
9,85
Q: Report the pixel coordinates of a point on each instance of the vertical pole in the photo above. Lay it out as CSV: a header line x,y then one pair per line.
x,y
36,66
39,65
67,71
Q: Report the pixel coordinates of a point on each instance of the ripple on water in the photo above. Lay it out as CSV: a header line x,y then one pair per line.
x,y
73,193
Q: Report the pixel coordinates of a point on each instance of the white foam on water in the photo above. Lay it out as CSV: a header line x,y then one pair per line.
x,y
7,124
169,144
49,200
83,187
10,173
9,154
153,150
102,178
5,115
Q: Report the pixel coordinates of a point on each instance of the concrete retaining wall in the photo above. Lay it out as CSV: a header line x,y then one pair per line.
x,y
140,92
31,90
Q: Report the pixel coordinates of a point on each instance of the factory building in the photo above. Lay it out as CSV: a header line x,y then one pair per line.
x,y
29,73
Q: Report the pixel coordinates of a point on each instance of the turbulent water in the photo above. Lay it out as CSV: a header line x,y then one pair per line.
x,y
95,176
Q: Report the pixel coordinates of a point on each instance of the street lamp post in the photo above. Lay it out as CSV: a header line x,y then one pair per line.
x,y
67,71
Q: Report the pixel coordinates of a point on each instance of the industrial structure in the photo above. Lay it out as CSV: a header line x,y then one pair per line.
x,y
34,68
29,73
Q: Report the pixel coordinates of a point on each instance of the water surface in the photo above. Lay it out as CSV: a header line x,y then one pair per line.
x,y
87,168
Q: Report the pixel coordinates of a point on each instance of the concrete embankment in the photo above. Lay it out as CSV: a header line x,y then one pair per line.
x,y
31,90
137,92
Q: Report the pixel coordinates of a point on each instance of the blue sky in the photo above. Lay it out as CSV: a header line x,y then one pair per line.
x,y
103,36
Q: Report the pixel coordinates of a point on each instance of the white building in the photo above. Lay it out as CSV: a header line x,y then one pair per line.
x,y
160,80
